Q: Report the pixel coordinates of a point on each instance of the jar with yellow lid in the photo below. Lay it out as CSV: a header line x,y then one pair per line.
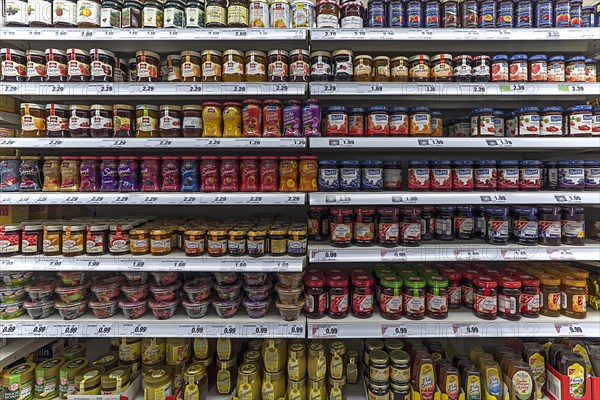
x,y
233,66
296,390
381,69
88,382
296,363
255,344
317,361
217,242
195,382
248,382
274,354
115,381
153,351
363,66
227,375
317,390
399,69
106,361
178,351
47,378
297,241
51,172
255,69
236,242
67,374
203,348
278,241
273,385
337,388
158,383
160,242
253,356
573,292
338,359
550,295
212,62
227,348
353,367
139,241
256,242
194,242
232,119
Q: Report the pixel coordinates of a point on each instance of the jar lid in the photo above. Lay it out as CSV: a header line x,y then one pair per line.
x,y
483,111
377,109
362,280
440,163
336,109
194,372
372,163
549,279
530,162
89,378
124,227
298,51
485,162
552,109
442,57
392,163
270,53
53,106
481,57
415,282
215,53
592,163
337,280
33,105
570,280
526,110
233,52
192,107
557,58
418,57
462,162
189,53
419,163
55,51
94,52
342,52
349,163
437,281
116,377
320,53
146,53
579,108
419,109
394,282
381,58
148,107
463,57
363,57
529,280
507,162
398,356
378,357
100,107
436,114
255,53
576,58
485,282
6,50
518,57
172,57
36,53
499,57
538,57
509,282
170,107
571,162
399,58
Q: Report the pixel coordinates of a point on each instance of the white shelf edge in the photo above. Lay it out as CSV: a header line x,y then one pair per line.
x,y
19,348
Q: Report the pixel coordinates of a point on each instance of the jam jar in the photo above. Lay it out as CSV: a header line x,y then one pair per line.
x,y
192,121
363,228
530,296
363,65
549,226
57,120
462,68
343,69
381,69
399,69
556,69
419,68
436,297
315,296
509,298
497,225
549,295
410,226
255,69
441,68
170,121
79,65
147,120
123,120
525,225
481,68
56,65
414,297
362,296
327,14
340,226
190,66
530,175
573,226
485,291
299,65
390,297
147,66
277,70
388,226
352,15
320,66
500,68
36,66
538,68
101,120
102,64
337,295
469,13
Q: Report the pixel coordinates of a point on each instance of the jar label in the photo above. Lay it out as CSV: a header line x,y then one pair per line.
x,y
278,69
110,18
528,124
224,383
40,11
280,15
580,124
573,229
356,125
18,12
362,70
518,71
553,300
344,68
174,18
194,17
410,231
54,123
210,68
299,68
255,68
538,71
89,12
72,243
418,178
399,72
349,178
54,68
444,227
454,295
237,15
441,178
338,303
100,123
462,178
467,294
362,303
146,70
497,230
31,123
169,122
320,68
556,72
303,15
485,304
336,124
51,243
420,124
259,14
507,304
463,225
508,178
482,70
500,71
121,123
147,124
379,374
364,231
192,123
399,375
234,68
530,302
392,178
190,70
551,125
9,243
419,71
94,243
29,243
529,178
590,73
571,177
398,124
549,229
101,69
462,68
592,177
437,304
77,68
485,178
377,124
414,304
152,17
525,229
575,72
34,69
372,178
390,304
352,22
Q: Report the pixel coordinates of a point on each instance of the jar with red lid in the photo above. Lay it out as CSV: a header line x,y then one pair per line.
x,y
467,293
272,118
485,299
249,177
315,296
462,175
454,287
440,177
390,297
277,70
269,174
413,297
57,120
509,298
518,68
338,294
209,174
363,229
170,174
340,226
388,226
436,297
230,174
530,296
410,226
362,296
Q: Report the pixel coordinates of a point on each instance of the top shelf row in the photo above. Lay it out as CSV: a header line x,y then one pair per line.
x,y
582,40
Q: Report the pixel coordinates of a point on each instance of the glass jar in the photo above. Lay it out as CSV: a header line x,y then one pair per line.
x,y
340,226
419,121
363,230
469,13
551,121
573,226
372,175
579,121
575,69
89,13
440,176
170,174
398,121
36,65
485,291
530,175
299,65
410,226
427,223
352,15
509,298
392,175
381,69
343,69
129,174
571,175
390,298
419,68
573,297
216,13
462,175
327,14
174,14
315,296
497,225
550,295
444,223
399,69
118,239
336,121
102,64
147,120
195,15
464,224
462,68
191,63
110,14
101,118
147,66
530,296
56,65
414,297
280,14
51,172
362,296
109,172
18,14
124,120
441,68
131,14
592,174
30,174
525,225
377,121
508,175
152,14
320,66
484,175
500,68
255,69
57,120
482,122
192,121
418,175
70,174
549,226
436,304
278,66
337,295
519,68
170,121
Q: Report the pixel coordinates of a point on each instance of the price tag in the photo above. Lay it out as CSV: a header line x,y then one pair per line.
x,y
52,88
68,329
395,330
48,142
103,89
369,88
499,142
234,89
258,330
292,199
325,331
237,265
547,34
515,254
467,330
280,88
560,254
290,142
151,33
24,199
410,199
113,143
430,142
420,34
427,89
497,34
467,255
208,142
567,198
569,329
258,33
108,33
149,199
93,264
191,330
393,255
254,200
121,199
290,330
218,200
330,255
7,264
213,33
494,198
188,200
51,264
280,266
329,33
9,88
158,143
343,199
134,265
327,88
7,142
36,330
191,88
71,199
228,330
359,33
247,142
573,88
136,330
174,265
477,89
147,87
513,88
100,330
10,330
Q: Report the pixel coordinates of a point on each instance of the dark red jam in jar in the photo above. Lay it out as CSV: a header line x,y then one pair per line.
x,y
436,299
454,287
362,296
414,297
363,230
338,295
485,299
102,65
79,120
315,296
340,226
509,295
79,65
56,65
388,228
467,288
410,226
390,297
530,296
36,66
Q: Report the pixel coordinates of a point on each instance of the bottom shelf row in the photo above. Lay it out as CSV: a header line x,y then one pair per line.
x,y
299,369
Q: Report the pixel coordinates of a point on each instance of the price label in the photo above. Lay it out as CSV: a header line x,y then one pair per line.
x,y
477,89
149,199
191,330
51,264
289,142
467,330
329,33
430,142
494,198
137,330
7,142
325,331
37,330
109,33
191,88
172,33
68,329
393,255
574,88
394,330
515,254
420,34
292,199
359,33
427,89
103,330
498,34
208,142
281,266
103,89
213,33
410,199
467,255
369,88
343,199
254,200
327,88
188,200
238,265
569,329
280,88
147,88
114,143
48,142
93,264
290,330
158,143
218,200
567,198
330,255
96,199
9,88
258,330
10,330
24,199
247,143
135,265
175,265
499,142
560,254
71,199
7,263
121,199
514,88
228,330
52,88
235,89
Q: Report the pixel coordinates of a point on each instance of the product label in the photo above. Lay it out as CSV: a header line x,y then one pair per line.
x,y
575,72
462,178
16,12
54,68
344,68
500,71
398,124
299,68
338,303
508,178
169,122
399,72
192,123
580,124
35,69
539,71
414,304
146,70
151,17
31,123
528,124
482,125
522,385
362,303
341,232
320,68
418,178
551,125
437,304
463,68
327,21
110,18
420,124
147,124
89,12
441,178
280,15
336,124
507,304
467,294
173,18
485,304
98,122
556,72
190,70
525,229
377,124
54,123
390,304
194,17
65,12
351,22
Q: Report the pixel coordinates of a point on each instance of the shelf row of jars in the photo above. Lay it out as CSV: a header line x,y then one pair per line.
x,y
582,120
250,118
158,174
299,14
343,65
458,175
410,226
139,236
100,65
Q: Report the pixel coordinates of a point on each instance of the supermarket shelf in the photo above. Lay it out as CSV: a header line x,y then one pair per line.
x,y
153,198
180,325
124,90
176,262
17,349
475,250
453,198
460,323
455,143
148,144
9,118
424,40
455,90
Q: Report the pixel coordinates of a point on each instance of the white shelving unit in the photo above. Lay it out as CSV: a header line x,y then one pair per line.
x,y
19,348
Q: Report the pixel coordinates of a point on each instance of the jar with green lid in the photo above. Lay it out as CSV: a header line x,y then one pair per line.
x,y
179,351
47,378
153,351
399,367
76,350
18,381
158,383
88,382
106,361
249,383
437,297
390,297
67,374
115,381
195,382
352,369
413,297
379,366
130,349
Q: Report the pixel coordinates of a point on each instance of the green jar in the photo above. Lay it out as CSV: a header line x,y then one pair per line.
x,y
47,378
67,374
437,297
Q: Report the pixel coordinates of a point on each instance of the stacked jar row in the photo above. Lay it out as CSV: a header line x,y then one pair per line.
x,y
343,65
446,175
251,118
158,174
147,235
409,226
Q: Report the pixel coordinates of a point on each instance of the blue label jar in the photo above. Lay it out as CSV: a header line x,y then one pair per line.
x,y
487,14
396,11
571,175
414,11
432,14
328,178
505,12
190,175
544,14
372,175
349,175
524,14
592,175
449,14
576,8
376,14
469,11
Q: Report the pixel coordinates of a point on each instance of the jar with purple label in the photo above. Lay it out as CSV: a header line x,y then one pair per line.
x,y
170,174
440,175
392,175
544,13
592,175
89,172
469,13
129,174
524,14
432,14
150,174
505,12
190,174
576,11
109,174
311,118
30,173
371,175
292,119
484,175
530,176
418,175
449,14
571,175
9,173
414,13
507,175
349,172
462,175
396,12
376,14
487,13
329,175
525,225
550,175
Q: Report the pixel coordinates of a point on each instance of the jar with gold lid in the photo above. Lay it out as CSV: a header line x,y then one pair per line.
x,y
317,390
381,69
236,242
363,66
195,382
160,242
139,241
254,356
278,241
248,382
296,390
296,364
337,388
212,62
51,172
338,359
273,385
233,66
274,354
73,240
317,361
257,242
194,242
255,69
217,242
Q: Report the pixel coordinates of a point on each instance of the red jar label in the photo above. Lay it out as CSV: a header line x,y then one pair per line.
x,y
389,232
390,304
462,178
454,295
338,303
410,231
518,71
269,178
467,295
29,243
440,178
362,303
418,178
94,243
485,304
249,182
530,302
500,71
437,304
378,124
485,178
539,71
9,242
252,119
356,125
209,176
399,124
529,178
414,304
230,176
508,178
463,225
336,124
341,232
